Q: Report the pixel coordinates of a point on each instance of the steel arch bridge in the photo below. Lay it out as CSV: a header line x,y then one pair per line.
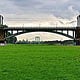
x,y
57,30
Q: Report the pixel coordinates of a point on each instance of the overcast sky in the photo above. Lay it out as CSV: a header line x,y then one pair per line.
x,y
29,11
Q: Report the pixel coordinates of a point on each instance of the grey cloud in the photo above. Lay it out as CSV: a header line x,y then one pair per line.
x,y
7,7
59,8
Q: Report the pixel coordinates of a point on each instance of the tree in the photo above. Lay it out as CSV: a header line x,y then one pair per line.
x,y
12,39
3,26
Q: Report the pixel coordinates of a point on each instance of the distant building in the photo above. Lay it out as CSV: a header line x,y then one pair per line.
x,y
37,39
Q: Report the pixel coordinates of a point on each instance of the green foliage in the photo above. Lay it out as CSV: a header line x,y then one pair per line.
x,y
3,26
12,39
39,62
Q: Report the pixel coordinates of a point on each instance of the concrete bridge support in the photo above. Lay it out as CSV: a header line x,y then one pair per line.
x,y
77,32
2,36
77,35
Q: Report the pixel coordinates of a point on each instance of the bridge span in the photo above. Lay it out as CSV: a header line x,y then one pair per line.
x,y
57,30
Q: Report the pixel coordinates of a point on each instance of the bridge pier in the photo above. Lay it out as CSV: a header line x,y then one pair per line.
x,y
77,35
2,31
2,36
77,31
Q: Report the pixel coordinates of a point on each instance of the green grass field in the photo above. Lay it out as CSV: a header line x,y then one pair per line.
x,y
39,62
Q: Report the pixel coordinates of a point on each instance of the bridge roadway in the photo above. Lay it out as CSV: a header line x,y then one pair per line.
x,y
40,28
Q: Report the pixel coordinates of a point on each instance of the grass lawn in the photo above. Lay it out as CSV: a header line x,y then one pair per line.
x,y
39,62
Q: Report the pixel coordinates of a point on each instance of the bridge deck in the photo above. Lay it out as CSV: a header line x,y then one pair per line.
x,y
40,28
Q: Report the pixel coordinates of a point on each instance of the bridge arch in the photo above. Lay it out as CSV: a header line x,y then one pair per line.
x,y
56,32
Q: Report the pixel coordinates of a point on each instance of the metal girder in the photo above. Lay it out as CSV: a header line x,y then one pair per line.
x,y
52,31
